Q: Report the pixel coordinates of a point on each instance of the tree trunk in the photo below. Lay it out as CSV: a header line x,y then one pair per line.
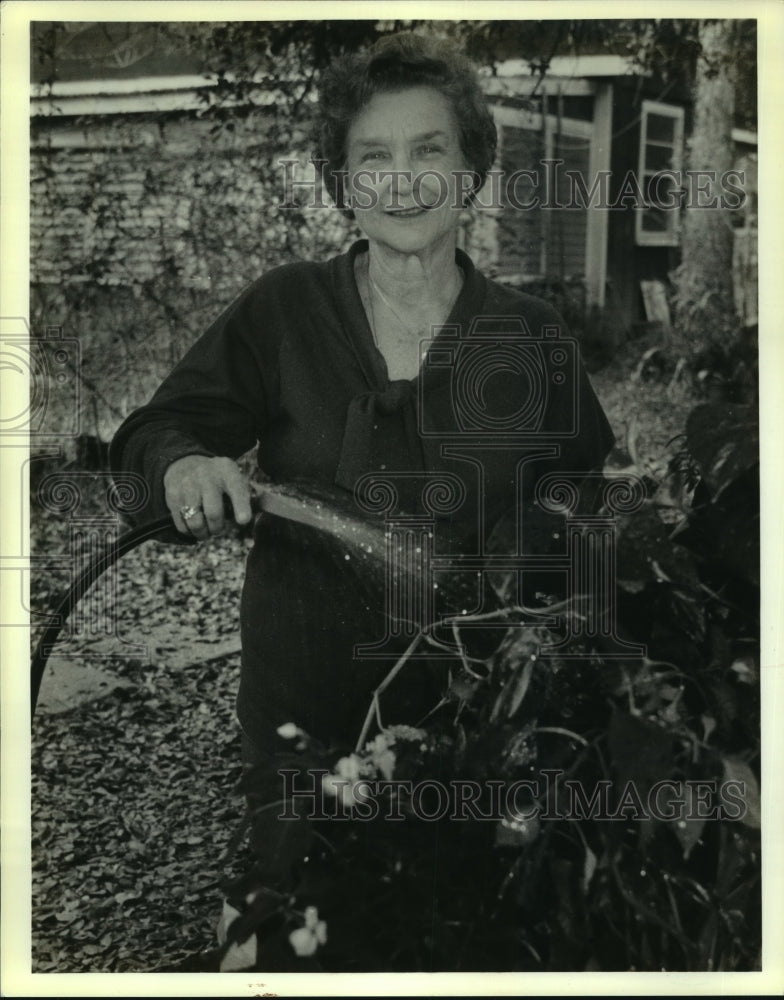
x,y
705,321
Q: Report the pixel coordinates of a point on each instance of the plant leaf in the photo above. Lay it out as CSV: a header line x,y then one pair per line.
x,y
739,770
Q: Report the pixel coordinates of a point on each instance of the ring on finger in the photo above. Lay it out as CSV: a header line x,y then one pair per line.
x,y
189,512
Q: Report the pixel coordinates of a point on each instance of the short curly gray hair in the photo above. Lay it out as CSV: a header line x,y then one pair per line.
x,y
397,62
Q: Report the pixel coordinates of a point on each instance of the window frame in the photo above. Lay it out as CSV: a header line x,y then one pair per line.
x,y
547,125
671,236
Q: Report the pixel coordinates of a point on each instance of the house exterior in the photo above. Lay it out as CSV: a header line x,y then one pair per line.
x,y
597,118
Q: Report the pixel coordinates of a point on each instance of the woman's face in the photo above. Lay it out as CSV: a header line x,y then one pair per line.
x,y
404,164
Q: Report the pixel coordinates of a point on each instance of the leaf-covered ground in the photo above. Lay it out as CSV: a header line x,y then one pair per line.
x,y
134,801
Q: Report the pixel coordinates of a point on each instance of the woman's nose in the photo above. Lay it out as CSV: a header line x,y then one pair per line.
x,y
401,181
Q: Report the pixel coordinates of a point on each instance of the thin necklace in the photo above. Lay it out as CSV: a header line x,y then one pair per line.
x,y
374,288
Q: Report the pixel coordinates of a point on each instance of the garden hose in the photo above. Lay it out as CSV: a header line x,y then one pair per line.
x,y
306,504
65,606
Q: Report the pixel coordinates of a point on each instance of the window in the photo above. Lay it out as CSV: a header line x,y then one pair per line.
x,y
661,149
536,154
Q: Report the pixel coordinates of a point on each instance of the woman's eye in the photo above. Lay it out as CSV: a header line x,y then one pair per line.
x,y
429,150
374,154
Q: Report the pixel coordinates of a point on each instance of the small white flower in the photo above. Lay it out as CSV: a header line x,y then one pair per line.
x,y
379,744
348,768
385,762
403,732
305,940
341,788
288,731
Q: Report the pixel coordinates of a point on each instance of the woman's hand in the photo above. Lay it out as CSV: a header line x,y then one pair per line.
x,y
202,483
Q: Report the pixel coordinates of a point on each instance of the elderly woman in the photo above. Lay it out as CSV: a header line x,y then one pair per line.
x,y
321,364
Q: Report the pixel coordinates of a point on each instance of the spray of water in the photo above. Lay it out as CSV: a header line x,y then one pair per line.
x,y
330,514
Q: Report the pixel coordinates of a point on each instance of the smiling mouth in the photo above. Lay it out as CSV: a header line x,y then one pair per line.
x,y
405,213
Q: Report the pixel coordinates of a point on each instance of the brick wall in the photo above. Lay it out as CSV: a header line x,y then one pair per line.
x,y
143,229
